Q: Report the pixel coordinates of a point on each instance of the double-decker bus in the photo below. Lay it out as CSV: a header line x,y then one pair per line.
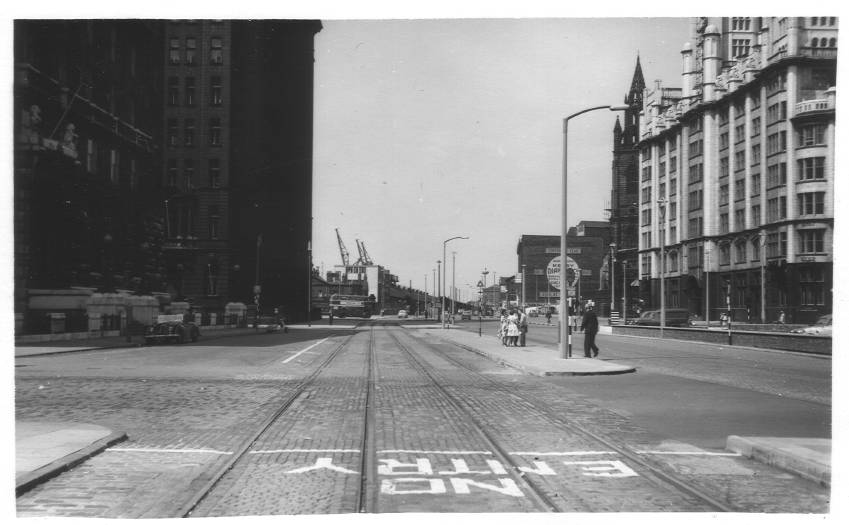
x,y
351,305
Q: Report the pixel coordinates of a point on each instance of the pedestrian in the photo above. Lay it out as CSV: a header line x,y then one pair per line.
x,y
502,328
589,325
523,327
513,328
548,316
781,317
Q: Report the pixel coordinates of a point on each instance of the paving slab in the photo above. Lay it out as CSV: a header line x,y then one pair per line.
x,y
531,359
807,457
44,449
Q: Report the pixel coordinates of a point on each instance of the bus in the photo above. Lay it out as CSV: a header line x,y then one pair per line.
x,y
351,305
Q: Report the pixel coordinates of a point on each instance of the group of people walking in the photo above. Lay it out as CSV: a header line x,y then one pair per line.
x,y
513,327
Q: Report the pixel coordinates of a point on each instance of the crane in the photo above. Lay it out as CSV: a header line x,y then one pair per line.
x,y
366,259
346,260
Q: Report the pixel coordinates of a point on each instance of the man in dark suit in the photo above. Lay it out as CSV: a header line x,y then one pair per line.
x,y
589,325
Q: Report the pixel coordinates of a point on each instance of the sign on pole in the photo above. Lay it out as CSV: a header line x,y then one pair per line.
x,y
553,273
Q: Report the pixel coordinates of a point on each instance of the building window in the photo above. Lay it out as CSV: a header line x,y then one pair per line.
x,y
724,254
694,200
756,248
171,175
740,252
214,222
723,194
114,166
776,112
216,52
661,171
696,172
739,133
696,148
696,125
722,113
646,173
739,219
723,167
756,215
811,241
645,194
756,102
776,175
673,166
214,173
173,91
811,203
723,140
756,184
673,145
216,97
739,189
772,245
673,233
646,239
775,85
776,142
673,210
694,227
188,174
739,160
756,127
740,23
756,154
190,91
172,132
812,286
91,156
189,132
776,209
645,265
812,135
646,151
646,216
173,51
673,187
723,223
812,168
215,131
740,47
191,51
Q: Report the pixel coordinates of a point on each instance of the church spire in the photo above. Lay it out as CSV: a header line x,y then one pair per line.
x,y
638,83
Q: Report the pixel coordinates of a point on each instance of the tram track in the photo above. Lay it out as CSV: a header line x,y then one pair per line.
x,y
209,482
657,476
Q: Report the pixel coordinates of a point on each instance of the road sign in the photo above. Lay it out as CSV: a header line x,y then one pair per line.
x,y
552,271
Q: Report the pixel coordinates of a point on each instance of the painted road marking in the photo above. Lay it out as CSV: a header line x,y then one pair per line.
x,y
688,453
445,452
575,453
308,450
310,347
170,450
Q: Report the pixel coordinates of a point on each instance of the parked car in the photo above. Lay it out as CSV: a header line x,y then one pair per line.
x,y
674,317
821,327
269,323
172,328
402,314
465,314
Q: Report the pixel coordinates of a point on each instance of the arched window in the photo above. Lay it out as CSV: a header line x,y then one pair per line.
x,y
832,42
740,251
672,263
814,42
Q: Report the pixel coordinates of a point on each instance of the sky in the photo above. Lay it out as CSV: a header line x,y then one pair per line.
x,y
427,129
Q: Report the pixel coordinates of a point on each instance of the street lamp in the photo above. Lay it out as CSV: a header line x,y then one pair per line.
x,y
438,284
612,266
444,244
624,292
524,305
762,238
661,207
565,332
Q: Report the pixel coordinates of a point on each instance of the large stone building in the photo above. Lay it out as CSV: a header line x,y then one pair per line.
x,y
87,105
737,171
237,161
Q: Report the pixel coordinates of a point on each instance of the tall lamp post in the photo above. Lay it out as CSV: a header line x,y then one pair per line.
x,y
661,207
762,239
611,264
565,332
444,244
439,290
625,291
523,288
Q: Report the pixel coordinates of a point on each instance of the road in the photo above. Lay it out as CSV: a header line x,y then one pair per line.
x,y
376,419
701,393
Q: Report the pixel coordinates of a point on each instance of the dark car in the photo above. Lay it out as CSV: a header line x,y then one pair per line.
x,y
172,328
270,323
674,317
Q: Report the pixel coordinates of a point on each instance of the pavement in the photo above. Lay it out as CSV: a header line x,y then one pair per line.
x,y
45,449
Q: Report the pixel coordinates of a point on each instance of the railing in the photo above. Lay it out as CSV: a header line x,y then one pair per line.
x,y
807,106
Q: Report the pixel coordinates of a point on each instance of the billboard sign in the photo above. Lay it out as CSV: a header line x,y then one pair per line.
x,y
553,272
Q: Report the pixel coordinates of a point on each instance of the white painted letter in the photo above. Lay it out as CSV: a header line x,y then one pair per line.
x,y
461,467
605,469
393,467
390,486
508,486
322,463
541,469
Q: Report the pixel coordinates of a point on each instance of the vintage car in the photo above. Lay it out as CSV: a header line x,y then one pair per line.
x,y
823,326
465,315
402,314
172,328
674,317
270,323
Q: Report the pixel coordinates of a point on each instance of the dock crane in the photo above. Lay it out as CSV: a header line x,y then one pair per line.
x,y
364,259
346,260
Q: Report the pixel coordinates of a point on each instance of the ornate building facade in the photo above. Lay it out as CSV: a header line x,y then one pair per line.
x,y
737,172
